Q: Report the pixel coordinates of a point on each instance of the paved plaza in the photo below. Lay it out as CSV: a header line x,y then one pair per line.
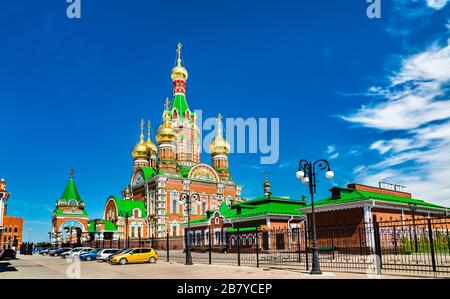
x,y
37,266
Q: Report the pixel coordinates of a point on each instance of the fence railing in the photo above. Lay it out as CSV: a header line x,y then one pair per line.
x,y
412,246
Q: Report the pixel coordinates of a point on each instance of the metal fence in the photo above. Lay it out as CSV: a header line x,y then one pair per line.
x,y
420,246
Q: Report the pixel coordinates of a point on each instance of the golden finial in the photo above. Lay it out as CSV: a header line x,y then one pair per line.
x,y
149,124
219,124
166,105
179,54
71,172
142,130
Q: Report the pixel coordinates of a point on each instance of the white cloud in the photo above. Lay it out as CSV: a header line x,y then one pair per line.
x,y
331,149
334,156
436,4
415,108
359,169
332,152
412,94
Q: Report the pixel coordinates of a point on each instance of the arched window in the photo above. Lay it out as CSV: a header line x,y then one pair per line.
x,y
194,208
15,229
136,213
229,200
62,202
10,230
4,239
72,203
174,229
174,202
203,207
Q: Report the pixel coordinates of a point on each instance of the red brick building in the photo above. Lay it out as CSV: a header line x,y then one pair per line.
x,y
12,235
346,217
10,227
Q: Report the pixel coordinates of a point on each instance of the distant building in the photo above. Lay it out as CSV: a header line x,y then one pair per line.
x,y
349,212
267,214
10,227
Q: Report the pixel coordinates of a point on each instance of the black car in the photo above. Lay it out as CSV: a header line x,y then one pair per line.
x,y
59,251
8,254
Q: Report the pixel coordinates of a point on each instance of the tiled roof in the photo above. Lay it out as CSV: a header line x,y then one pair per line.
x,y
260,206
350,195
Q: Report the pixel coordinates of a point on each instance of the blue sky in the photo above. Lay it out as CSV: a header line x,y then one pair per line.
x,y
371,95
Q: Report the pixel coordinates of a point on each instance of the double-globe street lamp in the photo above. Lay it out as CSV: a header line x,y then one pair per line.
x,y
307,172
189,198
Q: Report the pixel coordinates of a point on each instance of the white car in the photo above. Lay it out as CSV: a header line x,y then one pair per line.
x,y
75,253
103,255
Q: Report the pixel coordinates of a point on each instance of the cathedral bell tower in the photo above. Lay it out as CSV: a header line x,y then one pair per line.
x,y
166,148
151,148
220,149
140,151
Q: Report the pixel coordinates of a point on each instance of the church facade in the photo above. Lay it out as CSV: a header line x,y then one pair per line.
x,y
69,219
151,206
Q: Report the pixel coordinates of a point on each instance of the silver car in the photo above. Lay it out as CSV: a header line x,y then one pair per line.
x,y
74,253
103,254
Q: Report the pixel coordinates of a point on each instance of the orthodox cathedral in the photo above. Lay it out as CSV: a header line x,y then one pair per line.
x,y
151,205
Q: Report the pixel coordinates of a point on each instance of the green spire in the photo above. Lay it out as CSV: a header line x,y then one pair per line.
x,y
179,102
71,192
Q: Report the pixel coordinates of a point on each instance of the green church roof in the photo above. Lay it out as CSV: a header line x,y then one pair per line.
x,y
148,172
351,195
125,206
71,192
258,207
179,102
109,226
185,171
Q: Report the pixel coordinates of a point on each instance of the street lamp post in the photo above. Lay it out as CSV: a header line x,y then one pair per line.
x,y
126,215
188,199
307,172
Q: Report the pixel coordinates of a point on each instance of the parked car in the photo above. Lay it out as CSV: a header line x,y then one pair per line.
x,y
52,251
74,253
60,251
47,251
90,255
108,259
103,254
136,255
7,254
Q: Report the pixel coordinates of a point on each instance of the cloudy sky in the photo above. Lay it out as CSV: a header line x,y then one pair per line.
x,y
370,95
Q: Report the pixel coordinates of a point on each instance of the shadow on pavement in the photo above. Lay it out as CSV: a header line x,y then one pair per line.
x,y
6,267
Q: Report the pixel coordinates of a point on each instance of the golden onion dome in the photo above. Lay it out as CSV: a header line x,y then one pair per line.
x,y
165,133
140,150
151,147
179,72
219,145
